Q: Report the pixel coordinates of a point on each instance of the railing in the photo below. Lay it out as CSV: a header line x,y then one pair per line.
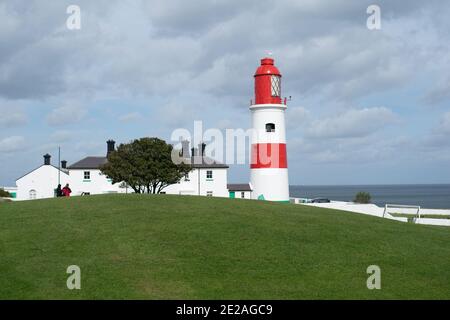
x,y
400,206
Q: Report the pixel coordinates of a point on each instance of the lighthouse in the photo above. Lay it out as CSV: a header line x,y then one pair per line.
x,y
268,168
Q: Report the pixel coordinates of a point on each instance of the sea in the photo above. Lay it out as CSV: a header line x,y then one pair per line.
x,y
431,196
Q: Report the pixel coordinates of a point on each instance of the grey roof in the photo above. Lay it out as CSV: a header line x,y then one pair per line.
x,y
205,162
89,163
96,162
239,187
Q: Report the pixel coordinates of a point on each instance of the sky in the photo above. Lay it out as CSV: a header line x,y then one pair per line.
x,y
368,106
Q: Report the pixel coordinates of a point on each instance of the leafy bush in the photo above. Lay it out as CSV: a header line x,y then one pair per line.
x,y
4,194
362,197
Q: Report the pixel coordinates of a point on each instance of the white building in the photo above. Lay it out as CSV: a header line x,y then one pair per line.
x,y
207,178
240,190
41,182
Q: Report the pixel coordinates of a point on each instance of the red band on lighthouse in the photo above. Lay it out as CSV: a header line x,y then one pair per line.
x,y
269,155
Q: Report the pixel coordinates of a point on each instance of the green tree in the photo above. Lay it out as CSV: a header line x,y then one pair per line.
x,y
4,194
145,165
362,197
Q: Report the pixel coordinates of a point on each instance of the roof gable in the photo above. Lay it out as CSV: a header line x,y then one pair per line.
x,y
50,165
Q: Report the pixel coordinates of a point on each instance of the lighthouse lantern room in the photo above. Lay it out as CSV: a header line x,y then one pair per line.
x,y
269,173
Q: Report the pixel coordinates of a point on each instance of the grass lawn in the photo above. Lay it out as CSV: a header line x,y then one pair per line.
x,y
181,247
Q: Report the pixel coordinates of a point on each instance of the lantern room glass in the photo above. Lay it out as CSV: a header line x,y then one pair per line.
x,y
275,82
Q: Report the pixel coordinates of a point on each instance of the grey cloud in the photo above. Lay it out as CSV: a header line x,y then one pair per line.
x,y
352,123
12,118
445,123
439,94
66,114
356,150
62,136
12,144
130,117
155,48
297,117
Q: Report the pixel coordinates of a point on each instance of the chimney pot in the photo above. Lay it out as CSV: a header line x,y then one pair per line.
x,y
201,149
111,146
63,164
47,158
185,149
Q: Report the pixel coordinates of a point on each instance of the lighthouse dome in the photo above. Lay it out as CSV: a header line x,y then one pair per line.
x,y
267,83
267,67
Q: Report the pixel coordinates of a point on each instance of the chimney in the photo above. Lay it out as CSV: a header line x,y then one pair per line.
x,y
201,148
47,159
63,164
185,149
111,146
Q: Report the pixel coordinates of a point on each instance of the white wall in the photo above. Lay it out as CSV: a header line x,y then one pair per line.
x,y
97,184
198,181
272,183
268,113
43,181
247,194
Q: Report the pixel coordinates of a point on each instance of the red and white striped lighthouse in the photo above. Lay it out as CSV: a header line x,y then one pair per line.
x,y
269,172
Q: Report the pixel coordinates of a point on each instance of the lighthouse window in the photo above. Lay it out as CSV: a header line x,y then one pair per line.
x,y
270,127
276,92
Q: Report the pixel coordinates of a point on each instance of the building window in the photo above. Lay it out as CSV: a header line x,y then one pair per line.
x,y
270,127
209,193
209,174
242,194
87,175
186,177
33,194
275,81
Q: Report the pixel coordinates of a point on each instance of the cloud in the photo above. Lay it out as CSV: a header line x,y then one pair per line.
x,y
207,47
439,94
130,117
11,144
445,123
352,123
65,115
11,114
61,136
12,118
296,117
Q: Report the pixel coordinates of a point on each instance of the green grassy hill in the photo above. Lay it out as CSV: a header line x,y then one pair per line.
x,y
173,247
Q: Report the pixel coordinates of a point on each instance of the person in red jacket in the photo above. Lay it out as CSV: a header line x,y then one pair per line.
x,y
66,191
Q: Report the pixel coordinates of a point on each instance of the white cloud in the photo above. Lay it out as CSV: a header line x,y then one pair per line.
x,y
445,123
352,123
11,114
65,115
12,119
11,144
130,117
296,117
62,136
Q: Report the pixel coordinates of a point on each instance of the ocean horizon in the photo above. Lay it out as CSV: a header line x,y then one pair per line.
x,y
432,196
